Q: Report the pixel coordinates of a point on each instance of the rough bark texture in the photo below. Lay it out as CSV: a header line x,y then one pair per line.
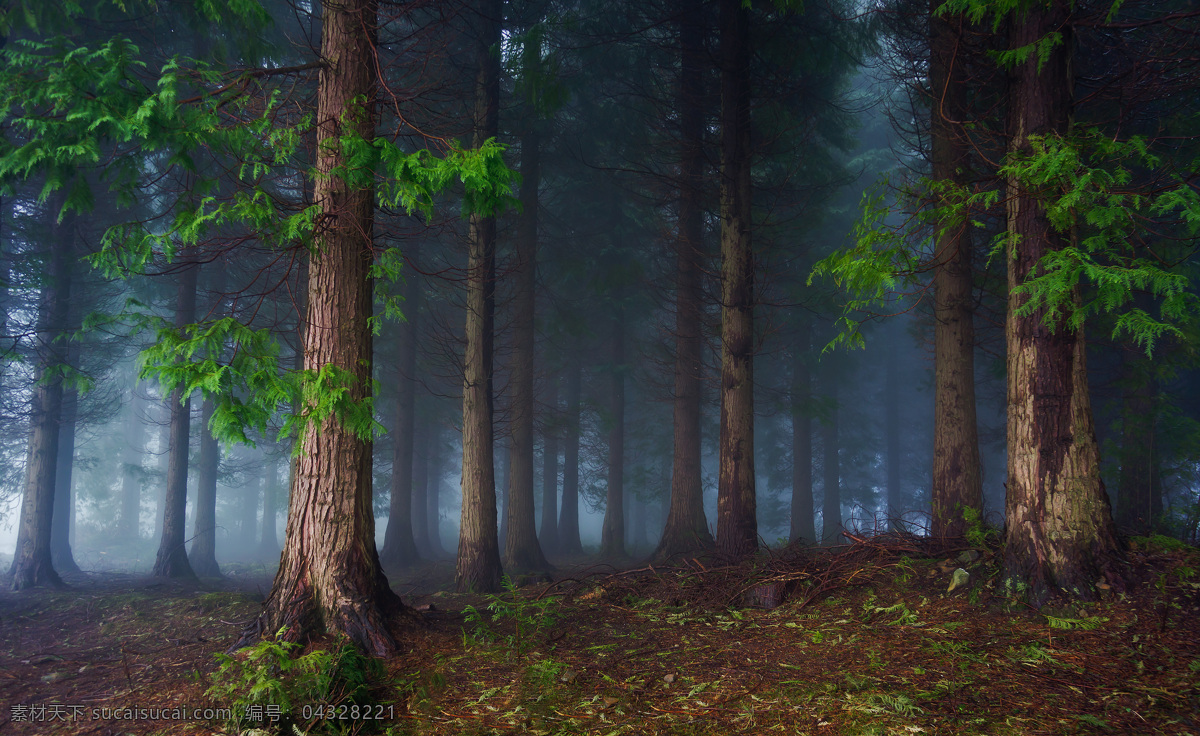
x,y
171,560
203,555
329,577
1139,485
32,563
612,534
804,527
129,523
686,530
399,542
957,478
548,533
478,566
522,550
831,506
1059,535
568,520
737,523
64,498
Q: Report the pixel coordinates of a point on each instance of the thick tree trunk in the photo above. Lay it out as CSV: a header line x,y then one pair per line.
x,y
203,555
804,527
522,550
957,478
549,528
1139,487
686,529
172,560
129,523
399,543
64,498
612,534
831,506
329,577
568,520
1059,534
32,561
737,523
478,566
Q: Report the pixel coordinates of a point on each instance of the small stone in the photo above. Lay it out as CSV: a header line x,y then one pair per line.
x,y
968,556
947,565
610,701
568,675
669,678
958,579
52,677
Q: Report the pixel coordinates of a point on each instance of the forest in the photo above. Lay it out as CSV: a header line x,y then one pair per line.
x,y
576,367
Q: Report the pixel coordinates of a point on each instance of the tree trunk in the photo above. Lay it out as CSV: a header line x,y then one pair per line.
x,y
478,566
203,556
433,488
831,507
64,499
420,488
268,545
172,561
686,529
568,521
129,523
957,478
549,528
737,525
1059,534
248,516
1139,489
329,577
804,527
522,550
32,561
891,426
399,544
612,534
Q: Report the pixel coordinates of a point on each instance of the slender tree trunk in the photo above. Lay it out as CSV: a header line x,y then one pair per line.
x,y
891,422
737,523
522,551
686,529
478,566
420,487
203,555
957,476
268,545
329,577
505,461
831,524
129,523
549,528
612,534
433,490
248,517
32,561
1059,534
568,521
803,523
399,544
64,498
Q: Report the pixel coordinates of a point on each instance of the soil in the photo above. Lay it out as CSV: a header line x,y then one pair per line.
x,y
864,639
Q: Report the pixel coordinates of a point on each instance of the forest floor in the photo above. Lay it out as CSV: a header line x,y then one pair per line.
x,y
864,639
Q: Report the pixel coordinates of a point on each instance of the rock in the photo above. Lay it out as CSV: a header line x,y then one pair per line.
x,y
958,579
669,678
968,556
610,701
947,565
568,675
52,677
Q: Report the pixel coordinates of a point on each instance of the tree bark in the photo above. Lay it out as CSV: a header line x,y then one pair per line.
x,y
686,529
522,550
831,506
1059,534
804,527
957,477
550,424
612,534
32,561
478,566
203,555
64,498
329,577
568,520
399,543
737,523
129,523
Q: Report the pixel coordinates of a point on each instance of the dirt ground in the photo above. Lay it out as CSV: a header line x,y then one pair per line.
x,y
865,639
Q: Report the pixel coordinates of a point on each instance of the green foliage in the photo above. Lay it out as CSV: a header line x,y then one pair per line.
x,y
268,675
978,533
528,617
1087,623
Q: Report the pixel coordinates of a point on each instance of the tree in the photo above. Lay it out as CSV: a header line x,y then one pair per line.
x,y
612,534
203,555
478,565
803,526
737,524
568,521
548,533
831,506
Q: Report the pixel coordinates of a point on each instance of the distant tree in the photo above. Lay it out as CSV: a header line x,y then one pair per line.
x,y
568,520
803,522
612,534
